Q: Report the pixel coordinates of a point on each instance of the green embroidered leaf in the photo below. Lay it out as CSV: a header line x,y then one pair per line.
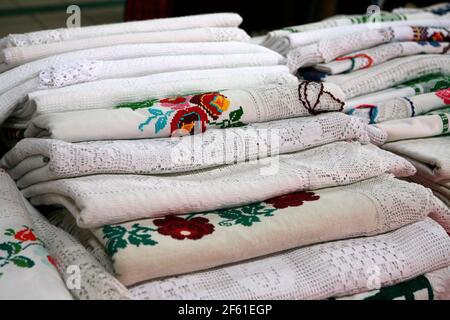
x,y
9,247
232,121
246,215
114,231
114,244
115,236
441,84
9,232
258,209
160,124
114,239
236,124
236,114
22,261
247,220
139,235
138,105
17,247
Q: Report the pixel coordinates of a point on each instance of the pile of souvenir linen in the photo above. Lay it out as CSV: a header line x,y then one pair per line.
x,y
175,160
394,71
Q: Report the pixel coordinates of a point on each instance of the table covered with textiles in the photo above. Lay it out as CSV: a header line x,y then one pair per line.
x,y
180,158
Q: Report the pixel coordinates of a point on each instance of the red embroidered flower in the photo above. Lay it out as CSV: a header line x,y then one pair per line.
x,y
213,103
180,228
52,261
176,103
444,95
191,120
25,235
437,36
292,200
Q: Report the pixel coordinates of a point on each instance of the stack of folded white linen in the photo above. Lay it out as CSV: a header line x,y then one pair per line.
x,y
392,68
34,253
204,176
431,157
17,49
305,36
129,62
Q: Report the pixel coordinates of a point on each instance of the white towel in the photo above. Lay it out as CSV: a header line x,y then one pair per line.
x,y
379,54
21,73
210,239
426,84
95,282
391,73
433,285
316,272
19,55
189,114
401,108
25,259
330,49
417,127
430,156
105,199
440,189
15,97
38,160
113,92
93,70
345,20
287,42
166,24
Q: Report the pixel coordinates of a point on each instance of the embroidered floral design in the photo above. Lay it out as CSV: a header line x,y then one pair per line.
x,y
294,199
25,235
188,114
427,34
233,120
160,116
435,44
437,36
443,83
176,103
52,261
179,228
118,237
195,226
191,120
246,215
12,252
138,105
428,83
444,95
213,103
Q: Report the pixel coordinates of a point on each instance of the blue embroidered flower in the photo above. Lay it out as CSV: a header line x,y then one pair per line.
x,y
435,44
